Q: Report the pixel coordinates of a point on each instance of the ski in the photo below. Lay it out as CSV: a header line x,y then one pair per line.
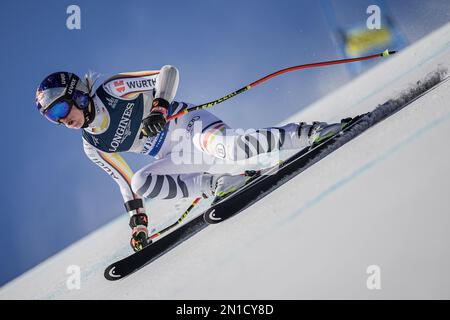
x,y
134,262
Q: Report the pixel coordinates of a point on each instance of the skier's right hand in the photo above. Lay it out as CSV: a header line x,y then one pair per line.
x,y
157,119
139,232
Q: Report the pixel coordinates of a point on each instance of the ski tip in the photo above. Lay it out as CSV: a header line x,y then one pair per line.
x,y
111,274
210,217
387,53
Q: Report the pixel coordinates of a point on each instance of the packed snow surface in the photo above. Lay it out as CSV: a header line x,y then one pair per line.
x,y
380,200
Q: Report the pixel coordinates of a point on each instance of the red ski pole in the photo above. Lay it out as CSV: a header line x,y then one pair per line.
x,y
386,53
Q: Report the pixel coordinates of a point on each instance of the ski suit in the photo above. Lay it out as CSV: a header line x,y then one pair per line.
x,y
187,148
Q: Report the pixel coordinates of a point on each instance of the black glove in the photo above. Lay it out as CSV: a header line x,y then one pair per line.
x,y
157,118
139,235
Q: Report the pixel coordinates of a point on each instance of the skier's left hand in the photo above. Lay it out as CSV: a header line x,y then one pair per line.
x,y
139,235
157,118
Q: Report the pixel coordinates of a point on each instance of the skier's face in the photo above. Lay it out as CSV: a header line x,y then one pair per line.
x,y
75,119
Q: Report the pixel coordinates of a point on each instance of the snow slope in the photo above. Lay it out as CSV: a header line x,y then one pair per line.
x,y
382,199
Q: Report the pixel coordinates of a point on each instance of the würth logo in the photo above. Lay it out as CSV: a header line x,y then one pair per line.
x,y
119,85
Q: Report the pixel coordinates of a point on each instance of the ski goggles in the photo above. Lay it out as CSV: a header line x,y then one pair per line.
x,y
60,107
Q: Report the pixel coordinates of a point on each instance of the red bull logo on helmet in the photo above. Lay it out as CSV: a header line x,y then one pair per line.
x,y
39,96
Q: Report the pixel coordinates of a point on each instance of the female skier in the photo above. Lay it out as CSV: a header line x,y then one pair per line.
x,y
128,113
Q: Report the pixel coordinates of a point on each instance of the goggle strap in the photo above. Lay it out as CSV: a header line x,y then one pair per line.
x,y
70,89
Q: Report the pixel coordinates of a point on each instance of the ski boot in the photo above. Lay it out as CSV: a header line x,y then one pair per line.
x,y
221,186
321,131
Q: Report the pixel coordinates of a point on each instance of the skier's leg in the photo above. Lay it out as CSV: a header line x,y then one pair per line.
x,y
214,138
167,179
170,178
235,144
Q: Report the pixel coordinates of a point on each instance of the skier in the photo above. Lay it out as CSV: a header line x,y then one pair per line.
x,y
128,113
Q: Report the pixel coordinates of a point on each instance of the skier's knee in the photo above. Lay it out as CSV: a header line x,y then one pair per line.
x,y
139,181
158,186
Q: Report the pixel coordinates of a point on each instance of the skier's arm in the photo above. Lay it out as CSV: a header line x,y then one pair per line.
x,y
161,84
129,85
167,83
118,169
166,88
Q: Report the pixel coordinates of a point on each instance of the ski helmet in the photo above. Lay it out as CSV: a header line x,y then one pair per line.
x,y
58,92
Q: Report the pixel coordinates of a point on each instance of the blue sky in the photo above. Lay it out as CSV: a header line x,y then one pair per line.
x,y
51,193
